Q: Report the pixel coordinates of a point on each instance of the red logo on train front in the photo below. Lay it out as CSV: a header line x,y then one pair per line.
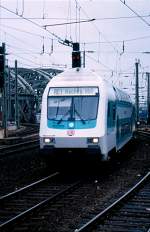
x,y
71,132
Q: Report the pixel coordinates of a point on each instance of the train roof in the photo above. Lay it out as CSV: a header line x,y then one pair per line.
x,y
84,75
77,74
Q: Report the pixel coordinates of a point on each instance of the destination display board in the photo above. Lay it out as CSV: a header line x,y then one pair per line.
x,y
73,91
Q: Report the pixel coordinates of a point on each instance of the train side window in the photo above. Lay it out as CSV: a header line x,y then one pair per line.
x,y
111,114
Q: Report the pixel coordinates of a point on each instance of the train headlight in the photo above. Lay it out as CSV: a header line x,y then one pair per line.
x,y
48,140
95,140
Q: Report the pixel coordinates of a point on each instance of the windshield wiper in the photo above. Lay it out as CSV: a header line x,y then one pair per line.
x,y
82,120
60,120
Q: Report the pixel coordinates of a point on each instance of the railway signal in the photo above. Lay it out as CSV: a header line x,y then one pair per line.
x,y
76,56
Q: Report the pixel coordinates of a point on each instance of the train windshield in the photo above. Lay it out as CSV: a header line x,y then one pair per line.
x,y
82,105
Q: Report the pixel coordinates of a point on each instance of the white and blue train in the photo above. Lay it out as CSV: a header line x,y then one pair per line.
x,y
80,110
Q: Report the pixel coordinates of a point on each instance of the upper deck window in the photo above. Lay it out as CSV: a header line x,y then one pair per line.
x,y
73,91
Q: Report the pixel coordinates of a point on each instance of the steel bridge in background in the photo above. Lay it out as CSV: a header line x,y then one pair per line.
x,y
30,86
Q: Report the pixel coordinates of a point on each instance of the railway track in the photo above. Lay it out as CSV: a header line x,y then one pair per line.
x,y
129,213
24,133
7,150
21,203
65,206
144,134
25,130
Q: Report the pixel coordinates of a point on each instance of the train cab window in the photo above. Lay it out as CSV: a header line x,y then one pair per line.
x,y
73,103
78,107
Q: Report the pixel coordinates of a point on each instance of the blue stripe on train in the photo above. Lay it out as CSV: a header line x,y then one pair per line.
x,y
124,129
71,125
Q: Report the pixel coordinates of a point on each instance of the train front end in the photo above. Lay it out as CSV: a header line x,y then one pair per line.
x,y
70,122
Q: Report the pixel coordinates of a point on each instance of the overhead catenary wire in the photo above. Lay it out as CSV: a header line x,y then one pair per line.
x,y
22,7
92,42
43,9
97,29
60,18
68,12
31,61
22,41
36,24
122,17
38,53
75,22
119,41
21,30
32,52
100,41
104,65
64,42
17,8
76,18
138,15
23,63
18,48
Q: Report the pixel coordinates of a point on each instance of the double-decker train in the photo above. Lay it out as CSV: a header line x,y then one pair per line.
x,y
81,110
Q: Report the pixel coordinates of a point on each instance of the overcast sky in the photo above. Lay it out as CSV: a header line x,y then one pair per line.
x,y
114,21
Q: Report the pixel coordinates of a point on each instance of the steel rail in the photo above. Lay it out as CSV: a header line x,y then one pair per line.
x,y
10,149
32,209
18,144
147,133
144,134
106,211
5,197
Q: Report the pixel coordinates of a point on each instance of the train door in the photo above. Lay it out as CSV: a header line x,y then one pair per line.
x,y
111,125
